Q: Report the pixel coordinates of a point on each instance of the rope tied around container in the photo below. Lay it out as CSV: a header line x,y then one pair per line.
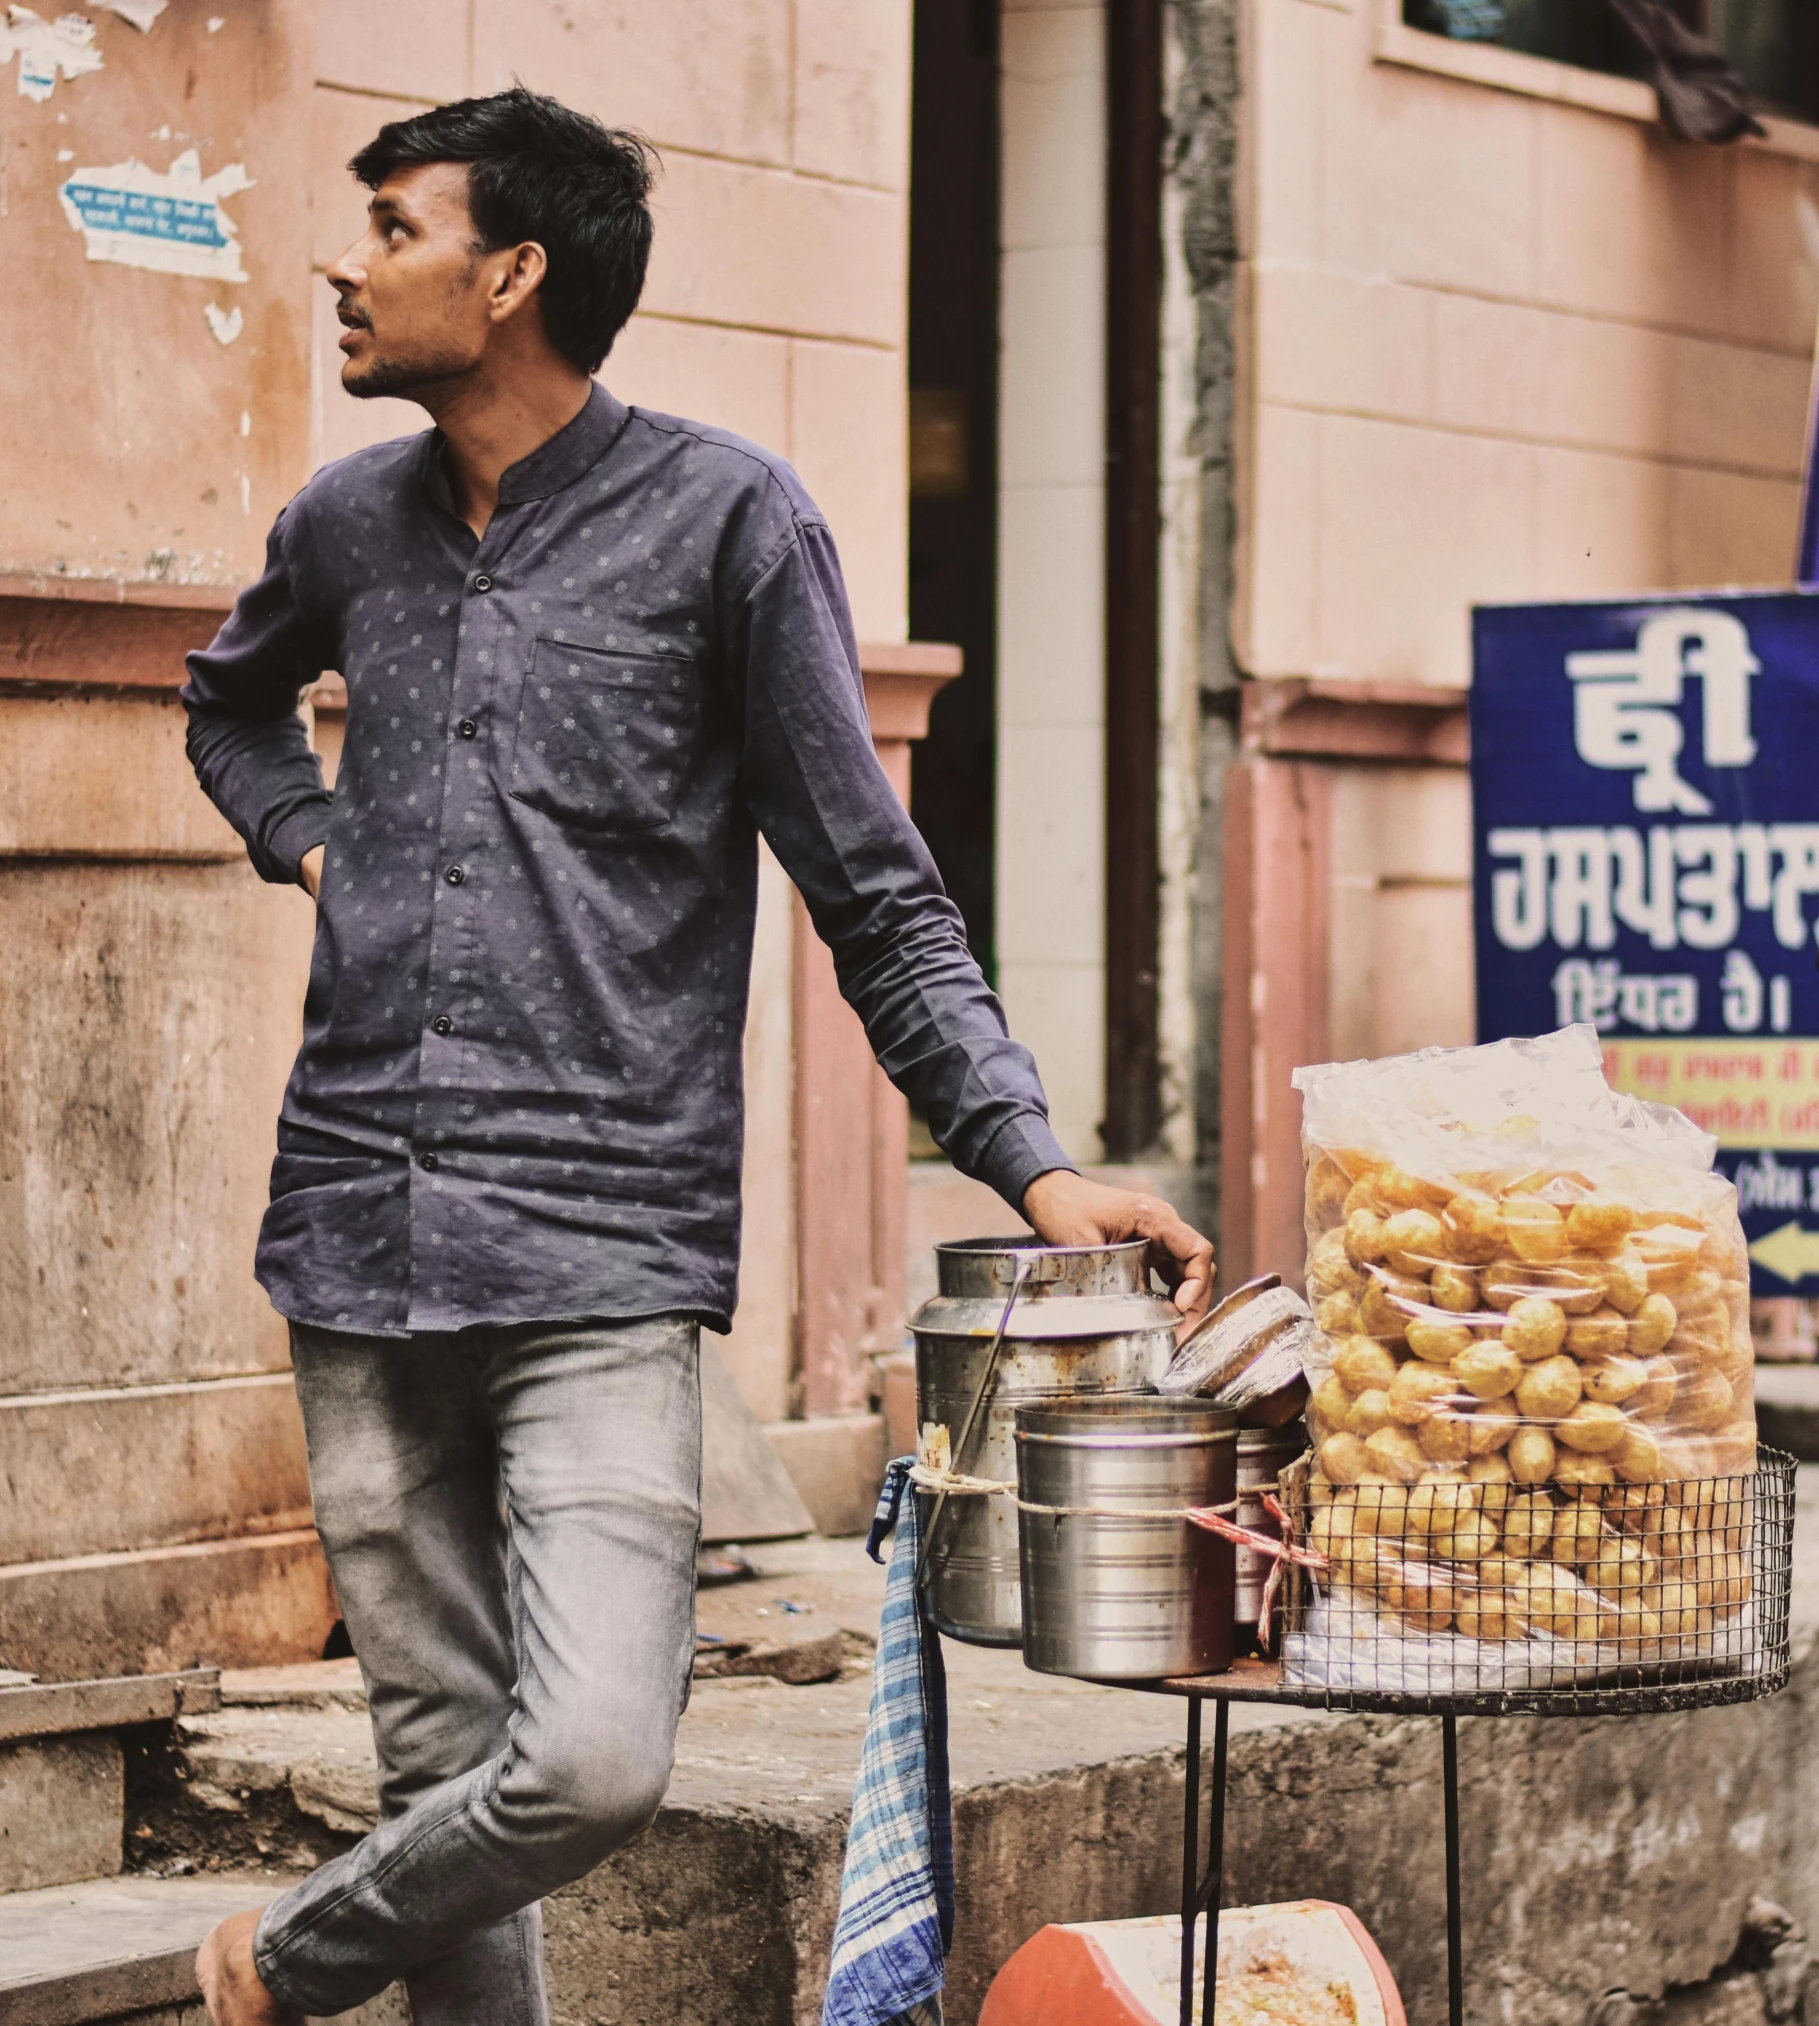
x,y
1212,1518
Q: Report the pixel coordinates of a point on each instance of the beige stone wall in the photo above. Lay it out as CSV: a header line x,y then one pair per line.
x,y
1493,346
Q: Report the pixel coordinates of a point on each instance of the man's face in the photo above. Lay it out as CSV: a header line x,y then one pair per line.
x,y
414,287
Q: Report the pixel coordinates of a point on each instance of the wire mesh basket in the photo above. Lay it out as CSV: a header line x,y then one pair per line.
x,y
1551,1599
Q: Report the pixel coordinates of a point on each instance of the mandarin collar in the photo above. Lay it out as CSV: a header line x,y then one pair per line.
x,y
574,449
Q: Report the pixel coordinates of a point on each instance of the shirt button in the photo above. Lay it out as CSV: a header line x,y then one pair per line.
x,y
456,874
443,1024
428,1163
483,583
468,729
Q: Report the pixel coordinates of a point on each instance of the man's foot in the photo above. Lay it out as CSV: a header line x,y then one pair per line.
x,y
232,1988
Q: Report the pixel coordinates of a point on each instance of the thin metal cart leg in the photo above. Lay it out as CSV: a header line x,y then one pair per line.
x,y
1213,1890
1190,1862
1455,1945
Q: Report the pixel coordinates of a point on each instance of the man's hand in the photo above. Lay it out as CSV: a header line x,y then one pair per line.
x,y
310,871
1066,1209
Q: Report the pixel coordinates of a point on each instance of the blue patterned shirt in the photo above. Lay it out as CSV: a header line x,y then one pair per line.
x,y
519,1092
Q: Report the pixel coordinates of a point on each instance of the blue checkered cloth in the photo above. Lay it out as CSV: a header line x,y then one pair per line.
x,y
896,1920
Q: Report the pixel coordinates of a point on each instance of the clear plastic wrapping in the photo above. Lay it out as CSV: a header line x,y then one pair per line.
x,y
1531,1298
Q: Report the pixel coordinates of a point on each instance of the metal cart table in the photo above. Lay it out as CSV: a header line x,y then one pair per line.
x,y
1757,1668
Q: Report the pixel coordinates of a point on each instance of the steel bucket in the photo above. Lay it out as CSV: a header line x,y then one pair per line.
x,y
1123,1598
1263,1455
1084,1321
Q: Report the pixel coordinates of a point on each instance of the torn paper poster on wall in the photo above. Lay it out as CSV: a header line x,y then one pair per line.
x,y
226,324
172,223
45,48
141,13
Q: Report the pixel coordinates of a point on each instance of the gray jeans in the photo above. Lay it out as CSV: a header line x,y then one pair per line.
x,y
510,1515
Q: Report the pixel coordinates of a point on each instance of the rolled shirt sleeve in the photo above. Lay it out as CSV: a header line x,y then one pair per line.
x,y
814,784
248,744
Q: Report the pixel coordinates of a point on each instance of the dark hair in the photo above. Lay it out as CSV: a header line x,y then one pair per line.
x,y
537,170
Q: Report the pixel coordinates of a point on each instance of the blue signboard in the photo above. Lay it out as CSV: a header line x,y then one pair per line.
x,y
1645,782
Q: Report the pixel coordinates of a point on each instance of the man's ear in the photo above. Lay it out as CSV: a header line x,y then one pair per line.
x,y
518,280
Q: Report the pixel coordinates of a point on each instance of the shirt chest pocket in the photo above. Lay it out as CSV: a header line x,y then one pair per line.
x,y
602,738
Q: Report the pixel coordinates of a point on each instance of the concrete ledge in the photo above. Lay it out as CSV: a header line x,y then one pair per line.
x,y
1614,1854
56,1708
259,1600
87,1953
836,1462
230,1460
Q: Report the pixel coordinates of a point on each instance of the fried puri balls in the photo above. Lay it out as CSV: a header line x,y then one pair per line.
x,y
1660,1378
1490,1614
1594,1428
1454,1288
1336,1315
1382,1507
1329,1271
1418,1391
1369,1412
1414,1242
1550,1390
1704,1401
1603,1334
1652,1326
1393,1452
1328,1405
1534,1328
1364,1240
1528,1525
1626,1280
1474,1227
1599,1223
1445,1437
1612,1379
1492,1426
1531,1455
1438,1342
1389,1301
1342,1458
1361,1363
1574,1467
1579,1281
1327,1186
1438,1505
1535,1229
1403,1191
1362,1195
1671,1254
1579,1534
1487,1370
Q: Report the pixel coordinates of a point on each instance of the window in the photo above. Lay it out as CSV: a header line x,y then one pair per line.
x,y
1773,44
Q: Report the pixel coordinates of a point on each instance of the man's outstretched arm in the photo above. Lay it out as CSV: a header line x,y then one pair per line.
x,y
814,783
250,749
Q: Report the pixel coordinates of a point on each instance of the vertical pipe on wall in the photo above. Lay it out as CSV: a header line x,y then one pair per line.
x,y
1133,525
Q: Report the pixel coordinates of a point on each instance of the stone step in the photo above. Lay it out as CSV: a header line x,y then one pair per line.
x,y
81,1954
257,1599
63,1770
230,1461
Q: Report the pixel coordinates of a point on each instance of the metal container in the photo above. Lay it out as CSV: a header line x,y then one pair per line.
x,y
1110,1595
1085,1321
1263,1454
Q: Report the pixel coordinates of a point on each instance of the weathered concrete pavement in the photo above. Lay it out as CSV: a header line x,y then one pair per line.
x,y
1600,1857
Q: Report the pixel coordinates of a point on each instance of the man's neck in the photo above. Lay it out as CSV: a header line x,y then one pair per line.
x,y
492,421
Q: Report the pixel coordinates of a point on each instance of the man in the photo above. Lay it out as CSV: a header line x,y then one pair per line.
x,y
590,653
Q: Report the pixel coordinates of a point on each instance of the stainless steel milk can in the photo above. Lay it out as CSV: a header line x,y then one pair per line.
x,y
1084,1321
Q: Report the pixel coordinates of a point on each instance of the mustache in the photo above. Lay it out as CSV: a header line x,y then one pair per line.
x,y
349,314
